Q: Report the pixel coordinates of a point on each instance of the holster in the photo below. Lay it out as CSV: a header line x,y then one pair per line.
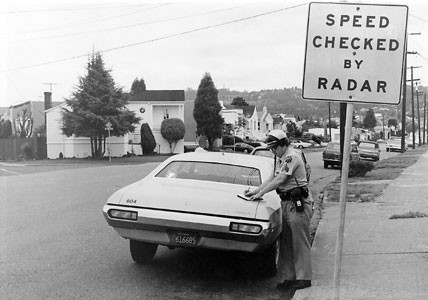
x,y
297,195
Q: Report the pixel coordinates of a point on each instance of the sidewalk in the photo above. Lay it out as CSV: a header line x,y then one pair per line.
x,y
382,258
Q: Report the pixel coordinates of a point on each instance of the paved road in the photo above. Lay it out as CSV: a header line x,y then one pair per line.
x,y
55,243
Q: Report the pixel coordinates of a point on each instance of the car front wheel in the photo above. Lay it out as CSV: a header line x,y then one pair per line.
x,y
325,165
270,259
142,252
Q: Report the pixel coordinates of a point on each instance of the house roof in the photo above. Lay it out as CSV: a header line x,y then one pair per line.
x,y
159,95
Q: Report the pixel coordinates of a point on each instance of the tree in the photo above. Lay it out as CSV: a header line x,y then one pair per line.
x,y
206,112
95,102
24,124
393,123
5,129
239,101
138,85
369,121
172,130
148,142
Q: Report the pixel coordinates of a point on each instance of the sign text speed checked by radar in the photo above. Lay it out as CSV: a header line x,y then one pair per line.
x,y
355,52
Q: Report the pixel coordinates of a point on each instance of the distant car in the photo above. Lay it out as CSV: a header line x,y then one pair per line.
x,y
266,152
300,145
369,150
394,145
239,147
191,200
331,154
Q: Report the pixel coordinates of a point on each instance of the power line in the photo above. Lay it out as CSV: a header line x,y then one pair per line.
x,y
41,10
419,18
90,21
159,38
135,25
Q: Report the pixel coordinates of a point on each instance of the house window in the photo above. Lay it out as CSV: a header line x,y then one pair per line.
x,y
258,125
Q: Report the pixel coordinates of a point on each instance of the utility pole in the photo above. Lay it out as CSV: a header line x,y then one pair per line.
x,y
413,105
329,121
425,116
419,115
403,113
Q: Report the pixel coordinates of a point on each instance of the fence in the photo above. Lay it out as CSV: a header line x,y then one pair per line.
x,y
16,148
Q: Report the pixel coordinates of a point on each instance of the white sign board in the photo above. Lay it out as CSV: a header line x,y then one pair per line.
x,y
355,52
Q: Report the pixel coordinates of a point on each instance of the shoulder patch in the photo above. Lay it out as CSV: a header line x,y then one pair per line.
x,y
288,159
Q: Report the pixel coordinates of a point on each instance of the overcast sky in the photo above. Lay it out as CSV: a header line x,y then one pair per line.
x,y
244,45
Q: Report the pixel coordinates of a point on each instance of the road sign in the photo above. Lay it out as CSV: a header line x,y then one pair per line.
x,y
355,52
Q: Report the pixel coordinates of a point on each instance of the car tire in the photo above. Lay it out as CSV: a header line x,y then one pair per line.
x,y
325,165
270,259
300,147
142,252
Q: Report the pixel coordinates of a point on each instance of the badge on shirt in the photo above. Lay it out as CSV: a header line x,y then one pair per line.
x,y
288,159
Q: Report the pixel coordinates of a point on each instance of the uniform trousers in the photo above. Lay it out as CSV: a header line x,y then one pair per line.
x,y
295,249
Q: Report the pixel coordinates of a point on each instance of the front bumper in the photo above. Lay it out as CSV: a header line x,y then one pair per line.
x,y
158,226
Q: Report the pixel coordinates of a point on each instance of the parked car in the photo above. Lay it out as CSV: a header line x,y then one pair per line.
x,y
191,200
300,145
369,150
331,154
394,145
266,152
239,147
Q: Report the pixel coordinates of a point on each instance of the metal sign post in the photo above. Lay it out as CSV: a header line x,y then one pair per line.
x,y
109,127
354,54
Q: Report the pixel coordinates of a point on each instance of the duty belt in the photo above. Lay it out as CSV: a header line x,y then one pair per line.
x,y
287,195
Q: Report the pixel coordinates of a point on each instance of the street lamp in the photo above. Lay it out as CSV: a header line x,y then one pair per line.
x,y
109,127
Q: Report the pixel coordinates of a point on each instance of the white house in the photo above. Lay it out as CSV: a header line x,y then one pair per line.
x,y
151,106
257,124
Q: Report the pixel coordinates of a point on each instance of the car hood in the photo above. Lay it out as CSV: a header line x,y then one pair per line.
x,y
213,198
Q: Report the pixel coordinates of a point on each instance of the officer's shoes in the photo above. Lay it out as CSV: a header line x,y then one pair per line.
x,y
286,285
300,284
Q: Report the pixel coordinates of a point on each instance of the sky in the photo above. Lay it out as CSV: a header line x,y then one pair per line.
x,y
244,45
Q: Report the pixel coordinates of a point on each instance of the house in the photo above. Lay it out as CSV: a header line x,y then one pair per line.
x,y
28,117
257,125
151,106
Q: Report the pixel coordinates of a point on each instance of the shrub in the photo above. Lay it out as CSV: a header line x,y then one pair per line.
x,y
359,168
172,130
27,149
148,142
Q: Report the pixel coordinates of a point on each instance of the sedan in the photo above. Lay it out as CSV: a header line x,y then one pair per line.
x,y
195,200
395,145
369,150
300,145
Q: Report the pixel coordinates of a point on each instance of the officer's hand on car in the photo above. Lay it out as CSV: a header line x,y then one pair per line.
x,y
253,195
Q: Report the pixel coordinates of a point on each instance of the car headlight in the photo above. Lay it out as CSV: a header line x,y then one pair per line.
x,y
123,214
246,228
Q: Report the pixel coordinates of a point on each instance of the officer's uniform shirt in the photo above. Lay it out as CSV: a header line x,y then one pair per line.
x,y
291,163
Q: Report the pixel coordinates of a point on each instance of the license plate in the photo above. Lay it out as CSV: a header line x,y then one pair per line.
x,y
184,238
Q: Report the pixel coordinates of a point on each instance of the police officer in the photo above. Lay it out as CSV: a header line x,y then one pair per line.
x,y
290,182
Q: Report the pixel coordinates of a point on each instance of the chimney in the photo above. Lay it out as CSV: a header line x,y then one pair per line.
x,y
48,100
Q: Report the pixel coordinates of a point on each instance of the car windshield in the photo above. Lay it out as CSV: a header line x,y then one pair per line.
x,y
333,146
208,171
